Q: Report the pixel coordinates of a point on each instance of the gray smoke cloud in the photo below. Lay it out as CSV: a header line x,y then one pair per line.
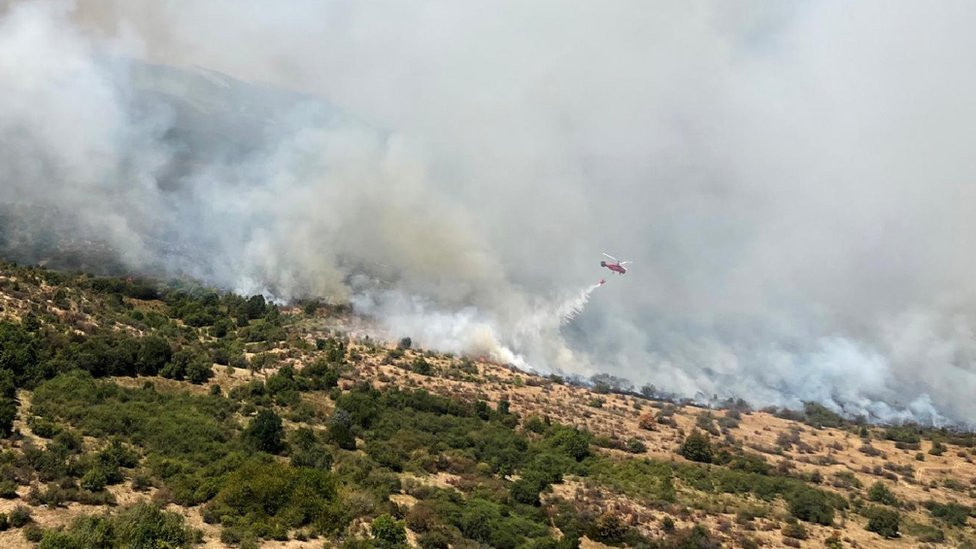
x,y
792,181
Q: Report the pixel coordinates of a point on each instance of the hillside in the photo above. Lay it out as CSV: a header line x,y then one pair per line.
x,y
136,412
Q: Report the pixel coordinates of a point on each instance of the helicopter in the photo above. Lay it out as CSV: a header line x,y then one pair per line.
x,y
614,264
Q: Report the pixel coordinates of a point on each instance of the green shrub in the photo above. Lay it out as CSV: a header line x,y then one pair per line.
x,y
696,447
928,534
422,367
154,353
882,521
33,533
265,432
306,451
340,430
8,413
817,415
434,539
810,505
268,499
526,490
142,525
609,528
20,516
906,434
94,479
636,446
43,428
388,532
8,489
795,530
572,442
881,494
953,514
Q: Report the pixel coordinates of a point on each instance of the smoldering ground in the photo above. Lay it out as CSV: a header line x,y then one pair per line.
x,y
792,181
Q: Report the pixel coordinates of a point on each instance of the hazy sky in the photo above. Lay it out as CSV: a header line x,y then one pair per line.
x,y
793,181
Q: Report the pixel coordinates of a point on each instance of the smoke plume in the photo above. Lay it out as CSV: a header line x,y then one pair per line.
x,y
793,180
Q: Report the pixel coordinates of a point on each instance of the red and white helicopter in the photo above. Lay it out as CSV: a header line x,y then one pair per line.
x,y
615,264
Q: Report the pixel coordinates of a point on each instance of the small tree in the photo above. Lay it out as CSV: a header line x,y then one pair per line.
x,y
154,353
881,494
810,505
199,370
388,532
697,447
883,521
265,432
572,442
340,430
8,413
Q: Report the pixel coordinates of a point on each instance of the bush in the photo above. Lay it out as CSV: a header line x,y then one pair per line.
x,y
94,479
697,447
882,521
142,525
388,532
795,530
8,413
928,534
154,354
186,364
422,367
20,516
953,514
881,494
199,370
320,375
33,533
526,491
434,539
636,446
905,434
609,528
265,432
146,525
572,442
810,505
697,537
421,517
306,451
340,430
268,499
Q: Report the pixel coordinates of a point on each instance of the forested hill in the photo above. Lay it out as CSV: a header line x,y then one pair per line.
x,y
138,413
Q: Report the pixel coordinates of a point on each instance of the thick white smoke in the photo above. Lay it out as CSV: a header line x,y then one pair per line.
x,y
528,338
793,181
